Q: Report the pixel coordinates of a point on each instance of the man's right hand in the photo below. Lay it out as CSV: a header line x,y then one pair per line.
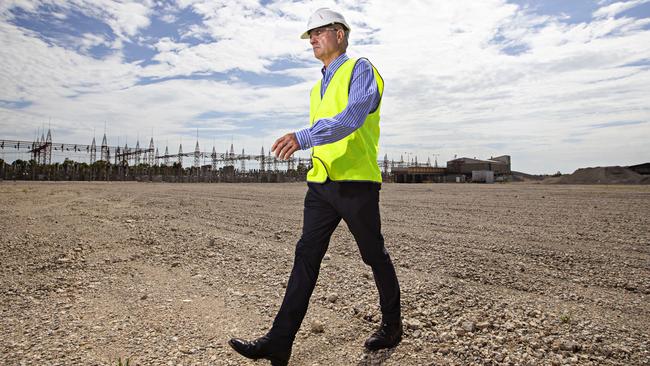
x,y
285,146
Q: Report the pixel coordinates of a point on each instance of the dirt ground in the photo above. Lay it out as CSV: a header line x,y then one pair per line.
x,y
165,274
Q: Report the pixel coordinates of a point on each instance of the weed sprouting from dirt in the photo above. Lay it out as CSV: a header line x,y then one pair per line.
x,y
126,362
565,318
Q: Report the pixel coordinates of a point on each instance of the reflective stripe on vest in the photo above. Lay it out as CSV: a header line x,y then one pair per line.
x,y
354,157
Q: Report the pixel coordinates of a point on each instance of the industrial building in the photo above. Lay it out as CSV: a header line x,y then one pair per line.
x,y
457,171
418,174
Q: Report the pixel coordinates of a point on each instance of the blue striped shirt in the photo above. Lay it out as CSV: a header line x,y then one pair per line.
x,y
362,100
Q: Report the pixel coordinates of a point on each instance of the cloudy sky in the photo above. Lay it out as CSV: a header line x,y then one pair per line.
x,y
556,84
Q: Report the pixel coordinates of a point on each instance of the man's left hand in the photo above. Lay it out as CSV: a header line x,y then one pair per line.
x,y
285,146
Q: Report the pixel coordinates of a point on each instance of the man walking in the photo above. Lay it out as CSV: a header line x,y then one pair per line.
x,y
344,183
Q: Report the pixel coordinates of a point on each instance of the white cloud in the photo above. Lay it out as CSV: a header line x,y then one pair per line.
x,y
166,44
90,40
169,18
58,15
36,71
27,5
126,18
616,8
241,35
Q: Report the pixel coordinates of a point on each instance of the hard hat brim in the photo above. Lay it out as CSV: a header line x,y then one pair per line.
x,y
306,34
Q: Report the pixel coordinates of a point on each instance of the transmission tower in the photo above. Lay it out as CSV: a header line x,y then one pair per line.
x,y
48,148
105,152
214,158
197,151
151,154
34,148
385,164
180,154
117,154
275,163
137,152
93,151
243,161
197,155
41,153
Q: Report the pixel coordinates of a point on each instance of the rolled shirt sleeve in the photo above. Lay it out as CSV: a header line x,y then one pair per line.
x,y
363,99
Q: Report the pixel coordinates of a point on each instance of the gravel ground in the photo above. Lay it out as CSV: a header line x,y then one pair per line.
x,y
165,274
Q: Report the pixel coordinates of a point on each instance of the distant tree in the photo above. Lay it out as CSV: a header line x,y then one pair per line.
x,y
302,169
68,169
100,169
54,171
32,167
20,168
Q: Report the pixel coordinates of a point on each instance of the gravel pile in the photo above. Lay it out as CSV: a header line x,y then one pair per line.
x,y
601,175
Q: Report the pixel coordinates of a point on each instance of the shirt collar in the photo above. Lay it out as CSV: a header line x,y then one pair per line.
x,y
329,71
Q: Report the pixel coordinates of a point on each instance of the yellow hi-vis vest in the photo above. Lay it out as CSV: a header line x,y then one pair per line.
x,y
354,157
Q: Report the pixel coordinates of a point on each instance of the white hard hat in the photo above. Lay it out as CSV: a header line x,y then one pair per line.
x,y
321,17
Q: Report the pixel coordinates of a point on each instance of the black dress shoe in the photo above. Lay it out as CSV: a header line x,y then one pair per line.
x,y
262,348
387,336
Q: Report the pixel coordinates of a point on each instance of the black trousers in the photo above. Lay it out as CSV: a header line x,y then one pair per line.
x,y
357,203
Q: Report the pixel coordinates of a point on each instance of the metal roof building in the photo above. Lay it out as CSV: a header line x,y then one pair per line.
x,y
500,165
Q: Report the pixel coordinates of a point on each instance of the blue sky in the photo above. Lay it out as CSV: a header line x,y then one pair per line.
x,y
556,84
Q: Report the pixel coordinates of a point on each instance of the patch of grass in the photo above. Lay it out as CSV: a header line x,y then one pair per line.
x,y
565,318
126,362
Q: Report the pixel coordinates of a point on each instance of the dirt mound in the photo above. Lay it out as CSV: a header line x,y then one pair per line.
x,y
601,175
524,177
